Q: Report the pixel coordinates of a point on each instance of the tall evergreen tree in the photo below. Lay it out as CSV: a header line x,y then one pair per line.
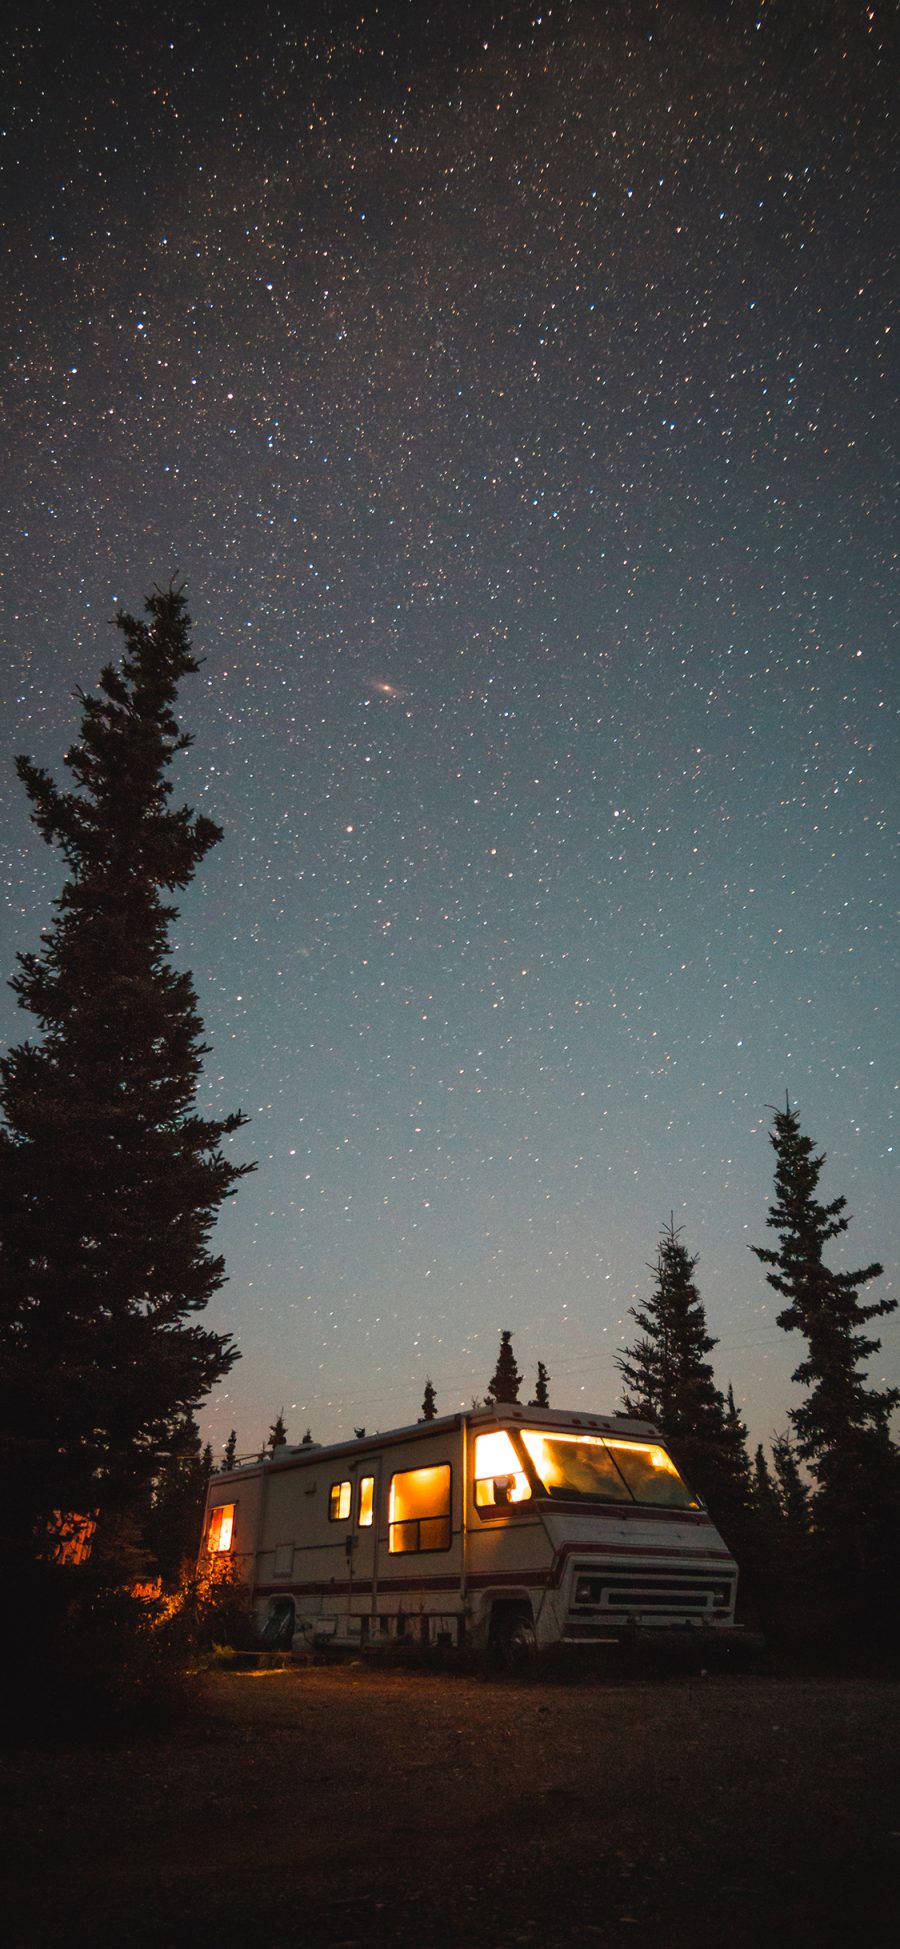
x,y
506,1380
229,1453
668,1380
429,1404
541,1397
842,1426
110,1180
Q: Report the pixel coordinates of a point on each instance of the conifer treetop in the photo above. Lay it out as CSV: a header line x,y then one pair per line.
x,y
506,1379
842,1425
278,1433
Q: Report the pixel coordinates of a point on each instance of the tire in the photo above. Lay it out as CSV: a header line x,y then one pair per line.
x,y
513,1643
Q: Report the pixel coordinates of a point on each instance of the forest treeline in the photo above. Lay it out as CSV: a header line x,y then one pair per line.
x,y
111,1181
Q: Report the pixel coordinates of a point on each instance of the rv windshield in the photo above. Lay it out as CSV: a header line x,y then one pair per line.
x,y
584,1468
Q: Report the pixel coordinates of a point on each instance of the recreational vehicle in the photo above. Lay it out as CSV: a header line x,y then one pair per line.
x,y
508,1528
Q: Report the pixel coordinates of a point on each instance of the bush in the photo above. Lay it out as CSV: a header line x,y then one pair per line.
x,y
211,1606
91,1659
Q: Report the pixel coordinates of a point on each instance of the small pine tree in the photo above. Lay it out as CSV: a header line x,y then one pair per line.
x,y
110,1180
506,1380
765,1500
842,1426
230,1451
359,1433
541,1397
736,1446
278,1433
429,1404
307,1441
174,1525
793,1492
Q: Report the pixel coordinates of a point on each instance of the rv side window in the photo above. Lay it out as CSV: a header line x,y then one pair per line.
x,y
221,1527
419,1510
366,1501
339,1502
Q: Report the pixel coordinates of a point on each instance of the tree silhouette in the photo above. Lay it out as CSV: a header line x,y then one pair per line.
x,y
793,1492
230,1451
278,1434
506,1380
842,1427
541,1397
429,1404
174,1526
669,1381
765,1497
110,1180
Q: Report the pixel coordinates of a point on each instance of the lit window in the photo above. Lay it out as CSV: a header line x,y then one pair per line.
x,y
339,1502
651,1474
499,1476
366,1501
221,1527
588,1468
575,1468
419,1510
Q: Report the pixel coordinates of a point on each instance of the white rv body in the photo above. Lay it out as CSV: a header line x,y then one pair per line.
x,y
563,1528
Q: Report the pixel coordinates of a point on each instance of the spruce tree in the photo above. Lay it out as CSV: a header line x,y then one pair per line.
x,y
110,1179
506,1380
541,1398
429,1404
735,1442
278,1434
174,1526
793,1492
229,1452
842,1426
669,1381
765,1499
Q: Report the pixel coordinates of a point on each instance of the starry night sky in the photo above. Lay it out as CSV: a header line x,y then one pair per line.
x,y
514,390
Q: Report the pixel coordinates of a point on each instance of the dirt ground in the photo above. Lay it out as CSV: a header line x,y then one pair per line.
x,y
341,1807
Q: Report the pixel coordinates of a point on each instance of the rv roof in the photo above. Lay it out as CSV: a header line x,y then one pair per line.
x,y
505,1414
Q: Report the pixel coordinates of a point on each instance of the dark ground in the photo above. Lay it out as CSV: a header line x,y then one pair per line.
x,y
339,1807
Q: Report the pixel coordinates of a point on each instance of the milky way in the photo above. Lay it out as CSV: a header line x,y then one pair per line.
x,y
516,396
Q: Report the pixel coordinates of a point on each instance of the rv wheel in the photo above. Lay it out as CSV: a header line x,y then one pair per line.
x,y
513,1645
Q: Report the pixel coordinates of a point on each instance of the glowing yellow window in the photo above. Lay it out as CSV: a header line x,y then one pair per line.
x,y
339,1502
221,1527
499,1475
651,1474
419,1510
366,1501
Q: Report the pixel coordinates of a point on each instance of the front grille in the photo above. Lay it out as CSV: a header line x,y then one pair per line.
x,y
616,1596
